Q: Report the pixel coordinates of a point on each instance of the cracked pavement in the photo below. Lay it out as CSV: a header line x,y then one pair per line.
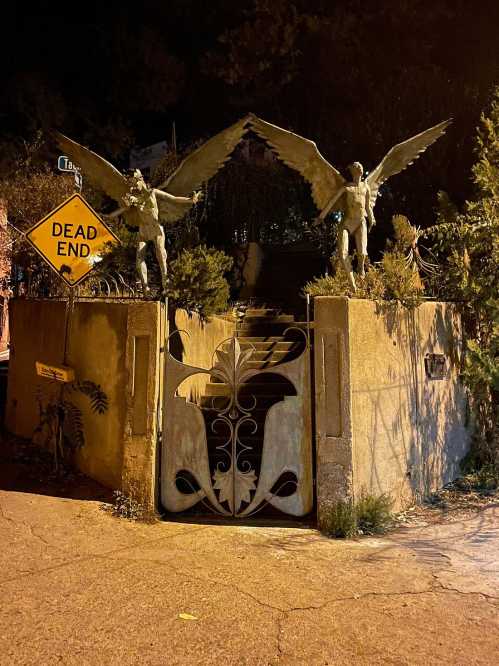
x,y
81,587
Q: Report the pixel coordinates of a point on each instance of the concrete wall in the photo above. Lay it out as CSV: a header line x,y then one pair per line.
x,y
118,345
382,424
114,344
37,334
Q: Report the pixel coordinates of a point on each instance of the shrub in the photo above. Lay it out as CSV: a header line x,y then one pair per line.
x,y
196,280
483,480
395,278
337,284
339,520
371,514
465,242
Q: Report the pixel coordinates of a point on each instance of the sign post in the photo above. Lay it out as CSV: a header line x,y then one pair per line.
x,y
66,165
71,239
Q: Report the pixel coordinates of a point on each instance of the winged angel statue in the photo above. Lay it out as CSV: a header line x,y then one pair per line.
x,y
355,199
148,208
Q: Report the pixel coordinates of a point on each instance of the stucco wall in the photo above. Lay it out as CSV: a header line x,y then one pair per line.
x,y
120,446
382,424
96,352
118,345
37,332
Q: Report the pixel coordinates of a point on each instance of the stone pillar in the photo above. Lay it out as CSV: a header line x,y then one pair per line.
x,y
146,332
334,459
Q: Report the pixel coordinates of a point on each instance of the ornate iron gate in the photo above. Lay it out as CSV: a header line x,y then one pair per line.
x,y
246,446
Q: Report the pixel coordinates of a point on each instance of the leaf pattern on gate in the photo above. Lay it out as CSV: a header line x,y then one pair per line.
x,y
234,486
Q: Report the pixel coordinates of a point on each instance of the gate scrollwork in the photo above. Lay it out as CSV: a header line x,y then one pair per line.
x,y
250,462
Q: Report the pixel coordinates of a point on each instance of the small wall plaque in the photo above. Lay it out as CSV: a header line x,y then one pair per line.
x,y
435,366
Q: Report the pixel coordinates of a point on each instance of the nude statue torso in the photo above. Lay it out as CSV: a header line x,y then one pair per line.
x,y
355,205
147,216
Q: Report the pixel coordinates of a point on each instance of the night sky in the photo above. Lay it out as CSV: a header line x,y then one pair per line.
x,y
355,76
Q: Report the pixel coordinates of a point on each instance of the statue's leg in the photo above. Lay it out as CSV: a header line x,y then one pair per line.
x,y
141,265
345,259
361,246
159,244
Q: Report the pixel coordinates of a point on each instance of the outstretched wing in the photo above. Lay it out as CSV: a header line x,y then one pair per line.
x,y
403,154
99,172
205,161
302,155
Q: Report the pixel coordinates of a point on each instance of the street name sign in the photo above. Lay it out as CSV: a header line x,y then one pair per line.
x,y
71,239
61,373
65,164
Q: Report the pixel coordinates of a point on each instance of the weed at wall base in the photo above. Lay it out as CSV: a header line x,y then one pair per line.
x,y
370,515
127,507
339,520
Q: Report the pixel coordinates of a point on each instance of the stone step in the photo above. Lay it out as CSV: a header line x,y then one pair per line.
x,y
265,347
259,364
262,312
262,329
269,355
268,319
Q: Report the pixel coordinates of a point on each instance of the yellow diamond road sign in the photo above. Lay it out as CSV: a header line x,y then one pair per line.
x,y
71,239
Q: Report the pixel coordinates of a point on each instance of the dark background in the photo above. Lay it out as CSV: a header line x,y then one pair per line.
x,y
355,76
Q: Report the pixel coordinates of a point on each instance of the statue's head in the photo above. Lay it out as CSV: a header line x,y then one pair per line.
x,y
357,170
137,181
139,194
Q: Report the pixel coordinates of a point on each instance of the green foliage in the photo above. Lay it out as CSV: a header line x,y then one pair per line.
x,y
401,282
29,190
337,284
394,278
339,520
482,480
60,425
467,246
196,280
371,514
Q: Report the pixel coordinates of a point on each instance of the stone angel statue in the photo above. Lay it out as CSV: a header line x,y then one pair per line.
x,y
331,191
148,208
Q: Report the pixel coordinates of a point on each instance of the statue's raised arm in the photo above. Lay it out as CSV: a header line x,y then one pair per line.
x,y
148,207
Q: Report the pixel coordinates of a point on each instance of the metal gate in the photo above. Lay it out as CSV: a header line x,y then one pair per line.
x,y
246,445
